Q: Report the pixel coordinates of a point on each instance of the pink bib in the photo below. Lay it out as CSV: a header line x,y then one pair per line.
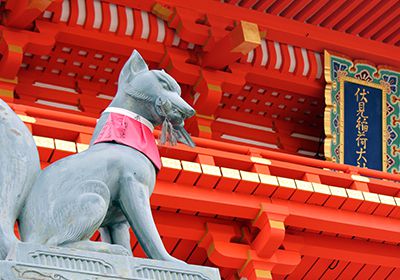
x,y
126,130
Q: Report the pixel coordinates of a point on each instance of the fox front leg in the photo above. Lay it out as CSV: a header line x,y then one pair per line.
x,y
117,234
134,202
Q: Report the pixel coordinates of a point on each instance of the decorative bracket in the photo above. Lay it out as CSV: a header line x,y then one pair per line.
x,y
254,259
22,13
272,230
244,37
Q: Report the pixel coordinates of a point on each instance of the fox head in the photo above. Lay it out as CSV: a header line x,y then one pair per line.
x,y
156,96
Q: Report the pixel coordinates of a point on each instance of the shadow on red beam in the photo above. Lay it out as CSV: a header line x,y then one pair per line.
x,y
282,81
184,226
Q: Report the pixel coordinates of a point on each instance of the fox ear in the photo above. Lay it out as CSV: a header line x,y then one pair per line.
x,y
132,67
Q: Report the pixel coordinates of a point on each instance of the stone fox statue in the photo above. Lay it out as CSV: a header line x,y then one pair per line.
x,y
108,186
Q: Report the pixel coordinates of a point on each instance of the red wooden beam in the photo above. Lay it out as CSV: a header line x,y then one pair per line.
x,y
300,34
55,115
101,41
300,215
332,247
14,43
276,125
237,156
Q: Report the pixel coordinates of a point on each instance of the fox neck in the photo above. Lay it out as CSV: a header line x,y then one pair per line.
x,y
140,107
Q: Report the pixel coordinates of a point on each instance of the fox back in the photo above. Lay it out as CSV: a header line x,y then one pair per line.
x,y
19,167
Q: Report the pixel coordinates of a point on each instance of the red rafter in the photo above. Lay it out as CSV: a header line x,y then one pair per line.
x,y
318,269
383,22
386,32
341,13
370,17
310,9
330,8
249,4
278,7
351,270
301,270
394,37
355,15
367,272
263,5
294,8
334,269
382,273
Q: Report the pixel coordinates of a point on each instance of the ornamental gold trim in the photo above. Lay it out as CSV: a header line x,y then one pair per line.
x,y
328,107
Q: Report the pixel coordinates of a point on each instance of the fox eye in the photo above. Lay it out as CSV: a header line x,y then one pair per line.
x,y
164,84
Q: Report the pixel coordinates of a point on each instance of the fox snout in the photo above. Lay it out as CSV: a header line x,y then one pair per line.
x,y
190,112
184,108
176,110
187,112
178,115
